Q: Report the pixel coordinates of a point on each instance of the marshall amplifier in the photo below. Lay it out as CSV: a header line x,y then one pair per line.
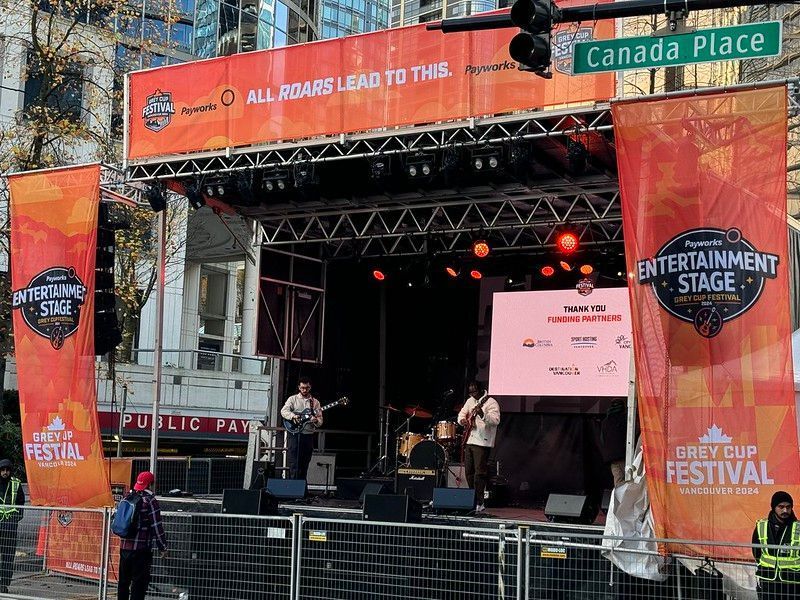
x,y
417,483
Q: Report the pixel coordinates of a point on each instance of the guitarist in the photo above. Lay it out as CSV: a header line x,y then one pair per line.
x,y
300,446
480,417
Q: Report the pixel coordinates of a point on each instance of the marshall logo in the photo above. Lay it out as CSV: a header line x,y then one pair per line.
x,y
51,304
708,276
585,286
158,110
564,46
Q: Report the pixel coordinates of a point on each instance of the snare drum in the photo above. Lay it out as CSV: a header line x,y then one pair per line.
x,y
444,431
407,441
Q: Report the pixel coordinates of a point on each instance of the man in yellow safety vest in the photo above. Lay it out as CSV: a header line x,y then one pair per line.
x,y
778,569
11,495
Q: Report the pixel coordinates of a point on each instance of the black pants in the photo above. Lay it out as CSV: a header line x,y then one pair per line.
x,y
476,468
777,590
299,450
8,548
134,574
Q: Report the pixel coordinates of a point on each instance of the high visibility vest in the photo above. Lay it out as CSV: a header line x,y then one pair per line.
x,y
10,504
785,566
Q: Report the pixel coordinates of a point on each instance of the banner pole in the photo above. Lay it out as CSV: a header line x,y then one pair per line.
x,y
159,337
630,434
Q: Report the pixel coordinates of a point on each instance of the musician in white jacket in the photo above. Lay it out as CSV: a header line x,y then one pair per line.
x,y
300,446
481,416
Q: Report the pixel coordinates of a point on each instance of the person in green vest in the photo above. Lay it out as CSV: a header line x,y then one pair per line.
x,y
12,496
778,571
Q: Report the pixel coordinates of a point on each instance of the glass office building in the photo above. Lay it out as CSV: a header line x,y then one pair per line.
x,y
411,12
348,17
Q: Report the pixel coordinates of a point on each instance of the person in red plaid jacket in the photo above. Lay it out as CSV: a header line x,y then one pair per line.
x,y
136,552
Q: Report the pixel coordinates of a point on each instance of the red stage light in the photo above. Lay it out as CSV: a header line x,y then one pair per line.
x,y
567,242
379,275
587,269
451,271
565,265
480,248
547,271
475,274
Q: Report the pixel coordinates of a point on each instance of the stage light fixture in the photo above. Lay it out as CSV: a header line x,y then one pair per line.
x,y
565,265
269,186
378,275
485,159
220,190
305,175
156,197
475,274
577,156
195,196
419,165
567,242
481,248
379,167
451,271
281,184
547,271
276,180
587,269
620,274
209,191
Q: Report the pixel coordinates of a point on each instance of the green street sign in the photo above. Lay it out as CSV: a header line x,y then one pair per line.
x,y
754,40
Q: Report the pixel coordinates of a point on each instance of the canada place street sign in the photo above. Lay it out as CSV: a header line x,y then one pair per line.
x,y
754,40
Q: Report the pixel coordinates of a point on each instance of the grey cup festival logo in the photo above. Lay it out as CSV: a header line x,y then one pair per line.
x,y
51,304
564,47
708,276
158,110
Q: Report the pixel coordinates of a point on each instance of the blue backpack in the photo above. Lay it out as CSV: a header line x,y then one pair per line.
x,y
126,518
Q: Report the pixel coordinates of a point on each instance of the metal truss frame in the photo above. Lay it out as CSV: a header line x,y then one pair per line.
x,y
427,138
511,222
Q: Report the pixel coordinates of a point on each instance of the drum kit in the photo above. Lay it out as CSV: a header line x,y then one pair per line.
x,y
432,450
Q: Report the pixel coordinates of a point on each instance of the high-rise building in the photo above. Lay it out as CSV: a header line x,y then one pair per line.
x,y
411,12
339,18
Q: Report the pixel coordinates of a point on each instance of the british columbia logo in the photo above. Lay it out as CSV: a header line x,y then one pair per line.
x,y
564,47
158,110
708,276
51,304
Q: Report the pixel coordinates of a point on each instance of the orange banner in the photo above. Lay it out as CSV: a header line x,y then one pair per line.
x,y
388,78
53,246
703,182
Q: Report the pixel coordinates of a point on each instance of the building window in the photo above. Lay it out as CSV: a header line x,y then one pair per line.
x,y
212,305
66,98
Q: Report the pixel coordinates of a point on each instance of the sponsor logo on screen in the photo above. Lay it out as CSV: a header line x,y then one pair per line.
x,y
585,286
586,341
51,304
623,341
564,47
532,343
158,110
608,369
708,276
564,371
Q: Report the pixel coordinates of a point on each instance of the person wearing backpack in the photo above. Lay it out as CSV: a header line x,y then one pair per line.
x,y
136,548
11,496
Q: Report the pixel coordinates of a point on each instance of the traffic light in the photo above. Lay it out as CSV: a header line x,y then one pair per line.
x,y
531,47
106,327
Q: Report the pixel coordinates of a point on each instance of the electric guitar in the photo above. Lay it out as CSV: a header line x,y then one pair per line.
x,y
307,414
473,414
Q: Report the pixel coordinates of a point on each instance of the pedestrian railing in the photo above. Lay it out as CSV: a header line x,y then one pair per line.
x,y
70,554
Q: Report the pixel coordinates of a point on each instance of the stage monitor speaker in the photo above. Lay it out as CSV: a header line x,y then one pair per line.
x,y
454,499
248,502
321,470
287,489
394,508
568,508
370,489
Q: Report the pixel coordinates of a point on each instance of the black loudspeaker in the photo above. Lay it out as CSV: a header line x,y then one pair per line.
x,y
262,472
567,508
418,483
248,502
371,489
454,499
395,508
287,489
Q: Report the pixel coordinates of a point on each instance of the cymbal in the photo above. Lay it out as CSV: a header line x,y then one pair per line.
x,y
417,411
391,408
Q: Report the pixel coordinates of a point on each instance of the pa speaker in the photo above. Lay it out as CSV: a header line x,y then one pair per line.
x,y
261,473
248,502
395,508
567,508
370,489
454,499
287,489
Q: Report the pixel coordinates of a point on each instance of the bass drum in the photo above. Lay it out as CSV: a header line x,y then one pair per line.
x,y
428,455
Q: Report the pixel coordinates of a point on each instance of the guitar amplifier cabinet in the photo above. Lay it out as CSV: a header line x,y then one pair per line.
x,y
417,483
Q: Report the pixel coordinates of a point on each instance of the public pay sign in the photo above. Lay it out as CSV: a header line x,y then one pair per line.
x,y
754,40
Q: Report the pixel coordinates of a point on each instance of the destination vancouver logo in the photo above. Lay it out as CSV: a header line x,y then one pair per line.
x,y
51,304
708,276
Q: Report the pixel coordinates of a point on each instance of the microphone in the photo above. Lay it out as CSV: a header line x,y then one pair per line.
x,y
448,393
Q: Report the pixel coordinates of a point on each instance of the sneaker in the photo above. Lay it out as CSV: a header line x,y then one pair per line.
x,y
480,508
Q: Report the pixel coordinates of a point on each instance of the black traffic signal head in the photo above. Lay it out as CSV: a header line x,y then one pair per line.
x,y
531,47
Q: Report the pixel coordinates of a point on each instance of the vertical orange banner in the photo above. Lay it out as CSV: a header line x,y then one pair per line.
x,y
53,246
703,182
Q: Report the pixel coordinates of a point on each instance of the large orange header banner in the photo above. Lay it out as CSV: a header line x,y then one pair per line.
x,y
388,78
703,182
53,246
